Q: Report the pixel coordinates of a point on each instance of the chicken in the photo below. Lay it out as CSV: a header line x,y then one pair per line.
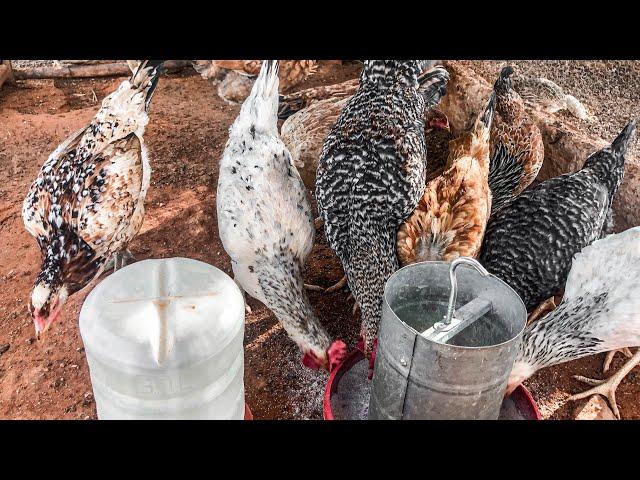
x,y
292,72
209,70
234,88
600,311
87,202
265,221
547,94
133,65
305,131
438,135
517,150
529,243
371,175
452,214
294,102
236,83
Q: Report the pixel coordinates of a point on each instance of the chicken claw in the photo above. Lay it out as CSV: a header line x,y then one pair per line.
x,y
337,286
119,260
314,288
607,388
607,361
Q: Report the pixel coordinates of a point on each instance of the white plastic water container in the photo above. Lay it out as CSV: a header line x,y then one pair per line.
x,y
164,340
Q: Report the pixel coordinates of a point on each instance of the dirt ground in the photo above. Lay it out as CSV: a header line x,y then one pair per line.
x,y
186,135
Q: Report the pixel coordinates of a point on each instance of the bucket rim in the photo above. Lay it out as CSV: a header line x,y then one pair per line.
x,y
357,355
514,338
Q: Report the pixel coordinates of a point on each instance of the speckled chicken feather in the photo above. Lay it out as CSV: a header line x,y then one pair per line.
x,y
530,242
87,202
371,175
600,310
264,215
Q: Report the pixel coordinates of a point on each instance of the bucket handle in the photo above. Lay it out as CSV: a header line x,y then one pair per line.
x,y
453,295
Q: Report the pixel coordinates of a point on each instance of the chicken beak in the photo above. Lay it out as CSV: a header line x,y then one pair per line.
x,y
42,324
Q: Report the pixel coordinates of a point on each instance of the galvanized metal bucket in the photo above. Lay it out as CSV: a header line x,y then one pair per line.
x,y
421,376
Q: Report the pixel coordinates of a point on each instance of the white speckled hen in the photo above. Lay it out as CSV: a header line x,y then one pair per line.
x,y
600,312
371,175
529,243
265,221
87,202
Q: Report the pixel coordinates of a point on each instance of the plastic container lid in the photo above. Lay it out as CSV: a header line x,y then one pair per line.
x,y
169,312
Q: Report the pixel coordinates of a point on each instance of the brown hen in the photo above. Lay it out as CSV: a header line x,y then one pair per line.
x,y
517,150
294,102
291,73
451,217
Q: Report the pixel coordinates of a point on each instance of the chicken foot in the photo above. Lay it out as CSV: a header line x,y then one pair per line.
x,y
607,361
607,388
341,284
119,260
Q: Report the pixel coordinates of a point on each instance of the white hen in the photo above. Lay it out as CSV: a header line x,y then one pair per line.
x,y
600,312
265,221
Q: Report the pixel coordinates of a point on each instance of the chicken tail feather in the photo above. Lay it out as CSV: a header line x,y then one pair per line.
x,y
487,116
259,111
621,143
146,78
433,85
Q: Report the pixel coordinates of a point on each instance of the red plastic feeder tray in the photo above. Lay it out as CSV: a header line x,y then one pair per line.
x,y
346,396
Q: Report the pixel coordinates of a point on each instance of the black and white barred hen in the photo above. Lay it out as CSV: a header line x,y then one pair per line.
x,y
265,221
87,202
371,175
530,241
600,312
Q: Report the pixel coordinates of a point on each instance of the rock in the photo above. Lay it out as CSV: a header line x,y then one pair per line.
x,y
4,347
88,399
59,382
596,408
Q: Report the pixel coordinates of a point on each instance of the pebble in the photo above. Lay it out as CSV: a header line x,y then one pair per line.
x,y
4,347
58,382
596,408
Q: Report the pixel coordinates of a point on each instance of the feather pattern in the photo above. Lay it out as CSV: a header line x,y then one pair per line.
x,y
371,175
529,243
264,215
517,150
599,311
452,214
88,199
432,81
549,95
